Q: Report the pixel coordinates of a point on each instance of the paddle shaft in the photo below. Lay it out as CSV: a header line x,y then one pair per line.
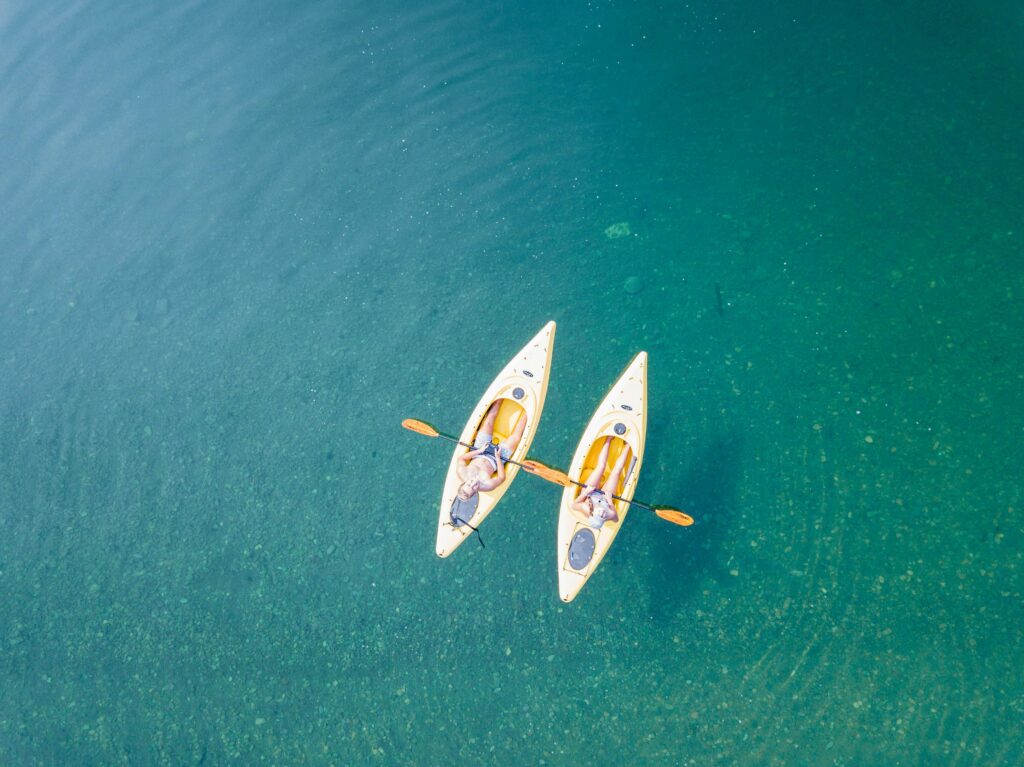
x,y
620,498
561,478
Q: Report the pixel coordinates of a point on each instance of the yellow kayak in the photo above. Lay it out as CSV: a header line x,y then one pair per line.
x,y
521,386
623,416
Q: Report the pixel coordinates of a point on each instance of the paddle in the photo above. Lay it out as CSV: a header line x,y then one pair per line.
x,y
668,513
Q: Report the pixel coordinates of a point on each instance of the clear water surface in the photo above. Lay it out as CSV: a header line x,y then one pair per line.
x,y
240,242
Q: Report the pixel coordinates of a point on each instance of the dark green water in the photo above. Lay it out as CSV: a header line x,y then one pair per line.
x,y
240,242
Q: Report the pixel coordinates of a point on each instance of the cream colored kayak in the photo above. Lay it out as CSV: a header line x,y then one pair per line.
x,y
622,415
522,386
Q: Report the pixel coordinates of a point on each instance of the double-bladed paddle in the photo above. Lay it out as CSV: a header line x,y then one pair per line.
x,y
668,513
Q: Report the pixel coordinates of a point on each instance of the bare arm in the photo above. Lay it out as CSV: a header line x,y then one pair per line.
x,y
579,504
471,454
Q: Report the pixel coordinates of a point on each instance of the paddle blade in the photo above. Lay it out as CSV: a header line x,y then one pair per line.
x,y
420,427
675,516
546,472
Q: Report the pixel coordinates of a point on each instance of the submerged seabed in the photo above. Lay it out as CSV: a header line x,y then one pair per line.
x,y
241,244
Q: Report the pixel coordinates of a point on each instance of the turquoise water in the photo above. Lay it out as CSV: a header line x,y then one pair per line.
x,y
240,243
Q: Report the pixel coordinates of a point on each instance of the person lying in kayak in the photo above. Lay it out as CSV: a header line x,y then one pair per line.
x,y
483,467
594,504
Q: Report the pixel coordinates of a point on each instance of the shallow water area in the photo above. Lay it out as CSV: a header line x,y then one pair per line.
x,y
241,243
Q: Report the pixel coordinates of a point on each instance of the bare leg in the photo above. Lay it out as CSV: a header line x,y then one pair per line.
x,y
512,441
594,480
487,427
612,485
